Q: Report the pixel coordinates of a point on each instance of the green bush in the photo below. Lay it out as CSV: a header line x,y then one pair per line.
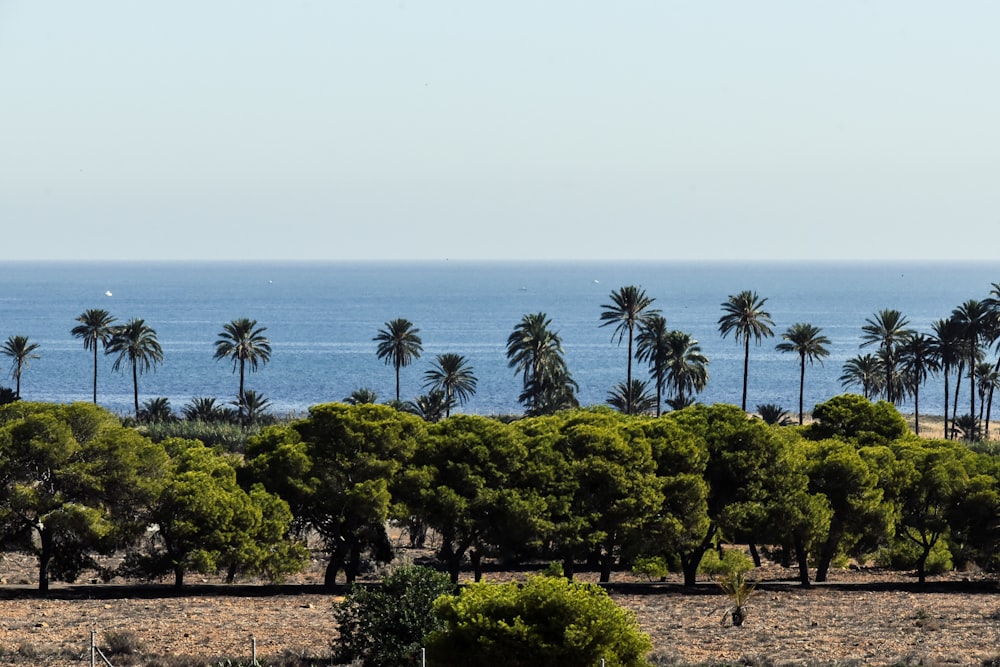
x,y
386,625
546,622
218,435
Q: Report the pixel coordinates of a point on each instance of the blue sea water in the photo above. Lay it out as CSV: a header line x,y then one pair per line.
x,y
321,318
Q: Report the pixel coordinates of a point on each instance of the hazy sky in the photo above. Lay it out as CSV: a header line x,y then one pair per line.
x,y
369,129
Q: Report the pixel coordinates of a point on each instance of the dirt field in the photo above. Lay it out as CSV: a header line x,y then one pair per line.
x,y
860,618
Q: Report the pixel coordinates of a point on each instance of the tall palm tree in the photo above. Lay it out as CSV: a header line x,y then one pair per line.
x,y
95,331
631,399
652,345
629,307
973,317
863,371
887,328
21,351
452,374
946,348
745,317
536,352
989,380
810,344
136,345
244,342
918,361
399,345
687,367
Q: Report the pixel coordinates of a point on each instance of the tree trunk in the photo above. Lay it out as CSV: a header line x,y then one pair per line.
x,y
178,576
690,561
568,567
477,565
754,554
607,562
333,566
44,557
746,370
802,383
802,556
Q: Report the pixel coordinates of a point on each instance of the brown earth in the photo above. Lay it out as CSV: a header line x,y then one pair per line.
x,y
862,617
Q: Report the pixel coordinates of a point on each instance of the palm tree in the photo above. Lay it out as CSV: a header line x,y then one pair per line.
x,y
204,409
95,330
918,361
806,341
946,348
687,368
632,399
628,309
156,411
773,414
536,352
399,345
429,407
136,345
989,380
255,406
362,396
888,329
452,374
863,371
653,346
744,316
21,352
973,317
244,342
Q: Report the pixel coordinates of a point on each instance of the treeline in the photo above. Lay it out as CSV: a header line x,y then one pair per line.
x,y
587,488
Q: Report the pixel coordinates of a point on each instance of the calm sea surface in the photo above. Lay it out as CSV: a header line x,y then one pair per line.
x,y
321,318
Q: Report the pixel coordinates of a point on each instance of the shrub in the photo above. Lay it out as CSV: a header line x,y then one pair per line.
x,y
385,626
732,560
902,554
122,643
546,622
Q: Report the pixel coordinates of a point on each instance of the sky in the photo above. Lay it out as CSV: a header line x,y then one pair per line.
x,y
559,130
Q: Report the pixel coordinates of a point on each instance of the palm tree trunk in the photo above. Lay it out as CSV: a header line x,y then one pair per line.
x,y
628,376
746,369
916,409
95,372
135,388
397,382
954,408
239,398
946,373
802,383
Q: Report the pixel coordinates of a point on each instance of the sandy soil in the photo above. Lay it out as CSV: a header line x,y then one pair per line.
x,y
860,617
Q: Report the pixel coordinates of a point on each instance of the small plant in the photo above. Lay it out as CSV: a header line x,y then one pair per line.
x,y
774,415
654,568
739,590
123,643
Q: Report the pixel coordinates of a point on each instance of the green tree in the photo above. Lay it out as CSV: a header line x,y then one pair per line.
x,y
535,351
855,418
21,351
205,409
95,330
806,341
472,490
545,622
336,468
136,345
244,342
744,317
452,374
399,345
206,522
73,483
628,310
888,329
387,625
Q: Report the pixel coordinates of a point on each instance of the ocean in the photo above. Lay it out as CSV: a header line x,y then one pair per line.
x,y
321,318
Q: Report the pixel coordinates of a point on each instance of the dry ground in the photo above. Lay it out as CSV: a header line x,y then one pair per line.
x,y
861,618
